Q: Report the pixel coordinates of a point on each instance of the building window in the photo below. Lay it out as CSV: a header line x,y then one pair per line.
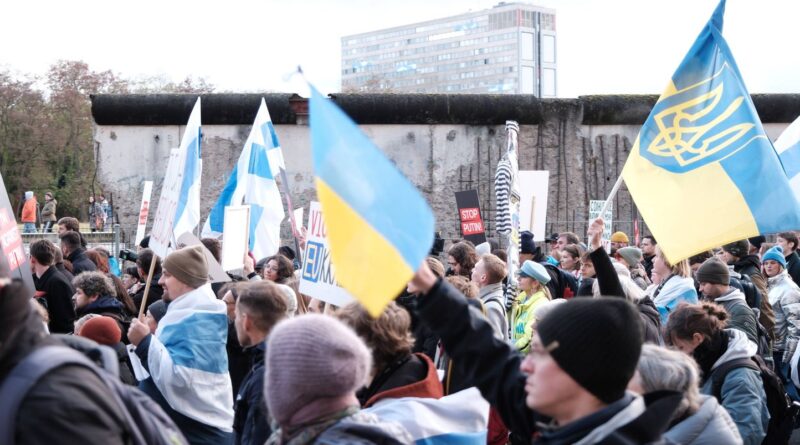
x,y
527,46
527,80
548,82
548,49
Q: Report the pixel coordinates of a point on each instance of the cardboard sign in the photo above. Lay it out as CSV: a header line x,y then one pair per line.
x,y
161,235
469,213
13,260
144,212
215,271
533,187
595,206
317,276
235,232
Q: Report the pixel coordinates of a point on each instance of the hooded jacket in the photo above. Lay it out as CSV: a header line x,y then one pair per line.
x,y
671,293
784,296
709,425
741,316
29,210
414,376
493,366
492,298
742,391
80,262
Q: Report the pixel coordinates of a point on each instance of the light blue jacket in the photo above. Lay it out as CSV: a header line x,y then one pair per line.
x,y
710,425
742,391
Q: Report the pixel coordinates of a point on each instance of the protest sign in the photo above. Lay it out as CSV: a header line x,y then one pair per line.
x,y
469,214
13,260
161,235
595,206
144,212
533,187
317,278
234,236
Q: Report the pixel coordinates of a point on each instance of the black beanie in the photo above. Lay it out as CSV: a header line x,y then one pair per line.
x,y
738,249
526,242
597,341
713,271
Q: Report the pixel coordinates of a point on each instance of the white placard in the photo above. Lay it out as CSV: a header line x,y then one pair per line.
x,y
161,235
215,271
298,217
594,212
533,188
235,233
317,278
144,211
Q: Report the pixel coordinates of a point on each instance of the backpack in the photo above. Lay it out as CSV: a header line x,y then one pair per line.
x,y
782,411
751,293
145,420
562,284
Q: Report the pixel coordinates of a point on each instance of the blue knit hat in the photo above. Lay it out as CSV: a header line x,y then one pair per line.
x,y
775,254
534,270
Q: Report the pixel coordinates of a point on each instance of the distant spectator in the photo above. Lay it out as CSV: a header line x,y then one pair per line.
x,y
49,212
97,217
29,212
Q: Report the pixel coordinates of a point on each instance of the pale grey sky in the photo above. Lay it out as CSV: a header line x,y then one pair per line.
x,y
611,46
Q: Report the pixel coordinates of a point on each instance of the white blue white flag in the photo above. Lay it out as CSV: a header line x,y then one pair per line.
x,y
788,148
461,418
187,211
252,182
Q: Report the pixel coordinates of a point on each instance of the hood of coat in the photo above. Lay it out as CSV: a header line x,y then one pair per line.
x,y
710,424
733,294
738,347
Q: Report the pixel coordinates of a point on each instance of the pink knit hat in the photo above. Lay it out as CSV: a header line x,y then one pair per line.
x,y
312,357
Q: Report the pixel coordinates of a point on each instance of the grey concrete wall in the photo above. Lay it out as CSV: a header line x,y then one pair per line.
x,y
582,142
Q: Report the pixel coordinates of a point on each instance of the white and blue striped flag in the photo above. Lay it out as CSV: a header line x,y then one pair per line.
x,y
252,182
788,147
461,418
187,212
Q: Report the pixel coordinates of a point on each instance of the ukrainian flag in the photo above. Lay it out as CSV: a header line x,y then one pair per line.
x,y
379,227
702,171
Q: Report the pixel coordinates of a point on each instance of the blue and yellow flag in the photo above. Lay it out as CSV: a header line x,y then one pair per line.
x,y
702,171
379,226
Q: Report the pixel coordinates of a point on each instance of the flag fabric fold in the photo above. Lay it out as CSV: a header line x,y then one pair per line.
x,y
252,182
788,147
379,226
702,171
187,212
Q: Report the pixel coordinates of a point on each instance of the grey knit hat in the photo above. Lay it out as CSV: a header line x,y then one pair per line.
x,y
631,255
312,357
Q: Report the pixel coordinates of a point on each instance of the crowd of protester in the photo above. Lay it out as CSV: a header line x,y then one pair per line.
x,y
588,343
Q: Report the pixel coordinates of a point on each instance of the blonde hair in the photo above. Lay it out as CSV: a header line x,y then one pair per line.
x,y
681,268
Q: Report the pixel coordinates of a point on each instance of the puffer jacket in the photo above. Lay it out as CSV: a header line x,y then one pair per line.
x,y
709,425
355,427
784,296
29,211
742,391
522,319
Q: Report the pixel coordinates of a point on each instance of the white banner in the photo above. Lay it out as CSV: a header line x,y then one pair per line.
x,y
161,235
533,188
317,278
144,212
234,236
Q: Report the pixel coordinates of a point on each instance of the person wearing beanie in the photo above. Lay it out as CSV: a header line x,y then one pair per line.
x,y
105,331
189,347
631,258
533,279
790,243
618,241
313,367
784,296
259,307
714,279
571,385
527,248
737,254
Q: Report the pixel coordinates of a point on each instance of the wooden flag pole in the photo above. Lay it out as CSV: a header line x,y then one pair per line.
x,y
611,196
147,285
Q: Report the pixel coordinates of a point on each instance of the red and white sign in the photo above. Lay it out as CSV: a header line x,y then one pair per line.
x,y
471,223
144,211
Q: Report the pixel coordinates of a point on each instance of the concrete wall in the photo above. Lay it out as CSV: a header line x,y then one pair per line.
x,y
443,144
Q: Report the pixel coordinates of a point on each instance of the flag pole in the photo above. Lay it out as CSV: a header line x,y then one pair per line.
x,y
147,285
611,196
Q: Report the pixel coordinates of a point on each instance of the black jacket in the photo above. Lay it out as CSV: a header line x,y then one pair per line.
x,y
750,265
647,262
494,367
155,294
57,292
609,284
80,262
239,361
793,266
250,424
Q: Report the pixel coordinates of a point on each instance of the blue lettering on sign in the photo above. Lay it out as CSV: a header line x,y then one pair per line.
x,y
314,258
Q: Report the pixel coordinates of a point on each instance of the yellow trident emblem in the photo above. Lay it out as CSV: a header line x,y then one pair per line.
x,y
687,135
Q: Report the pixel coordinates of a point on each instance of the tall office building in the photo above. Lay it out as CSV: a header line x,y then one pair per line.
x,y
508,49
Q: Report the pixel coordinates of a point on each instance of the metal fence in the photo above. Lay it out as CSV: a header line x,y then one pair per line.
x,y
110,240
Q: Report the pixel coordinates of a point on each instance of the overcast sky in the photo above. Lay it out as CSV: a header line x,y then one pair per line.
x,y
611,46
